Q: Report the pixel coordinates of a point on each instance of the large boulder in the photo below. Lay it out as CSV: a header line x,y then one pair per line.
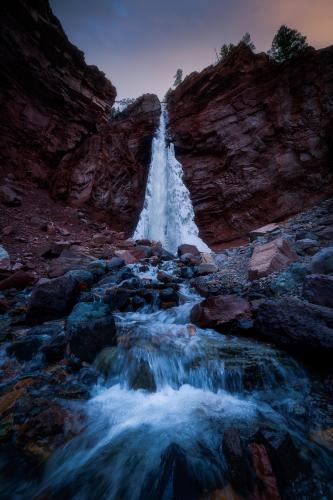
x,y
296,325
322,262
89,328
52,299
220,312
271,257
70,259
318,289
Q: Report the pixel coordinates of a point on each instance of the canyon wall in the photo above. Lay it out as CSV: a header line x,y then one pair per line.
x,y
255,139
110,169
50,98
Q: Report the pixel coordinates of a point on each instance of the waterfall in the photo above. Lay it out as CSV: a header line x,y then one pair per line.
x,y
167,214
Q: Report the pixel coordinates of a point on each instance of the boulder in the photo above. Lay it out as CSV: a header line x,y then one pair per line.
x,y
4,260
54,349
318,289
220,312
126,256
52,299
271,257
267,230
19,280
69,259
191,249
322,262
114,264
89,328
296,325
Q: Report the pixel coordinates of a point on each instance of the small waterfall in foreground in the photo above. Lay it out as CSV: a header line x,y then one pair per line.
x,y
167,214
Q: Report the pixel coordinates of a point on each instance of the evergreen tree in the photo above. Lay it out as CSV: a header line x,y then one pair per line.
x,y
228,48
178,77
287,44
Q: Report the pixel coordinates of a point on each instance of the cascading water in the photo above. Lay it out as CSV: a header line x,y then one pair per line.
x,y
168,395
167,215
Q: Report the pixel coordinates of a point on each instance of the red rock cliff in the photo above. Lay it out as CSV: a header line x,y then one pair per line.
x,y
109,170
255,139
50,98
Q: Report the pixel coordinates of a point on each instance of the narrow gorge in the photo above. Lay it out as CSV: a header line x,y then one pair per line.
x,y
166,276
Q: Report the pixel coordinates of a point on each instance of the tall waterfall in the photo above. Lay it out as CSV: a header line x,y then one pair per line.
x,y
167,214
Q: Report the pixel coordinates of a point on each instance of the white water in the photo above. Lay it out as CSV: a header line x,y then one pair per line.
x,y
167,214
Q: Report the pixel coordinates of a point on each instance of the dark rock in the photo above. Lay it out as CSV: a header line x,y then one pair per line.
x,y
322,262
307,246
19,280
240,470
165,277
188,249
186,272
89,328
169,297
54,350
24,349
296,325
143,378
318,289
174,478
114,264
52,300
221,312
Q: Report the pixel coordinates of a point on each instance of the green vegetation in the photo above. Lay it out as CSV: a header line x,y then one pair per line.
x,y
178,77
287,44
228,48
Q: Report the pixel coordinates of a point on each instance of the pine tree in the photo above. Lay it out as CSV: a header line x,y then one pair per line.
x,y
178,77
287,44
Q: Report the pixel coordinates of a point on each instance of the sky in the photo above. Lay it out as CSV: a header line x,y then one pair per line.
x,y
139,44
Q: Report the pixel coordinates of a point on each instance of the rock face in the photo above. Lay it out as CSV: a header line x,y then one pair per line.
x,y
110,169
50,98
255,139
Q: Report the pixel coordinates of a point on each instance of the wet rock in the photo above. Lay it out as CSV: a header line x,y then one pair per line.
x,y
54,349
19,280
69,260
296,325
4,259
169,298
165,277
186,272
24,349
142,252
271,257
263,468
126,256
52,300
189,259
119,298
174,478
239,466
285,459
115,263
9,196
143,377
221,312
89,328
84,278
188,249
204,269
322,262
318,289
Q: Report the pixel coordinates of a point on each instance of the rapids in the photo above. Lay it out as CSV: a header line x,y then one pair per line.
x,y
167,384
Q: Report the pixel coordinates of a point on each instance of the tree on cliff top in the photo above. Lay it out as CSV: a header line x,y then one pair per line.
x,y
178,77
228,48
287,44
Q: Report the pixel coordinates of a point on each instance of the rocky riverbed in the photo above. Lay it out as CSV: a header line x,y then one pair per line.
x,y
194,340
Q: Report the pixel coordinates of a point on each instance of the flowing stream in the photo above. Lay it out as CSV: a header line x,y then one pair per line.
x,y
168,387
167,214
156,419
